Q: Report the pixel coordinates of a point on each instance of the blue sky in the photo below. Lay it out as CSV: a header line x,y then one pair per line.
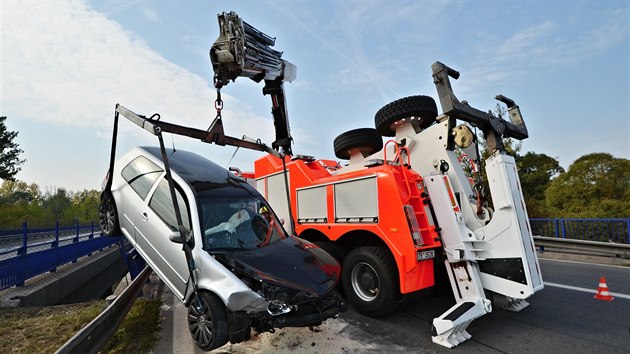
x,y
65,64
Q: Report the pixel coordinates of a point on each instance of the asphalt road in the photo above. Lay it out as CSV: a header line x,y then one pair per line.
x,y
562,318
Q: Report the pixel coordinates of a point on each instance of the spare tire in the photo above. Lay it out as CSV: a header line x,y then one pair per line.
x,y
367,140
420,110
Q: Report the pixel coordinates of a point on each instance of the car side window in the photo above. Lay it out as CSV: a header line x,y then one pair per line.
x,y
162,204
141,175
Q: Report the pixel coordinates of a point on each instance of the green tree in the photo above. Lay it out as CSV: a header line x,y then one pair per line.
x,y
19,202
9,152
13,191
85,205
57,206
596,185
22,202
536,172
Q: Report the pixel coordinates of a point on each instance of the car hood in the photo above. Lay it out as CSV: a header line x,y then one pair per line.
x,y
290,262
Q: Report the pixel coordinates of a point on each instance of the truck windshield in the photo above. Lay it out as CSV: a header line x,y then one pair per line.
x,y
237,223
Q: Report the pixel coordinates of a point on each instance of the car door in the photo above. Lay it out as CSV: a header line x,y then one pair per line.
x,y
156,222
140,175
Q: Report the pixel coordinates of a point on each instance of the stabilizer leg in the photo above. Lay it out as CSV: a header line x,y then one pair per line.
x,y
450,327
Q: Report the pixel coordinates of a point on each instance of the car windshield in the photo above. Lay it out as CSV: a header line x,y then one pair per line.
x,y
237,223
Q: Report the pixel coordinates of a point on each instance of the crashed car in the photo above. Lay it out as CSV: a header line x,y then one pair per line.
x,y
249,273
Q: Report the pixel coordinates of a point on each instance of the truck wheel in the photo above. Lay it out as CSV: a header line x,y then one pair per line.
x,y
332,249
108,215
207,321
419,110
367,140
370,281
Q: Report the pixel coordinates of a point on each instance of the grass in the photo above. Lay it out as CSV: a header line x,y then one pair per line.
x,y
139,331
45,329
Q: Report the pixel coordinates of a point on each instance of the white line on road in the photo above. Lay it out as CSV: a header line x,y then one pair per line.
x,y
586,263
569,287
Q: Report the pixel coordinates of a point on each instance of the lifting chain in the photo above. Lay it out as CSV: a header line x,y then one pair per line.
x,y
218,103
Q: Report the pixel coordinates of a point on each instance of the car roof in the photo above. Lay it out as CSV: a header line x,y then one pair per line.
x,y
201,173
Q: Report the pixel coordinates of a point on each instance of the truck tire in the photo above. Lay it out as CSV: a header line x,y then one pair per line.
x,y
370,281
332,249
420,110
367,140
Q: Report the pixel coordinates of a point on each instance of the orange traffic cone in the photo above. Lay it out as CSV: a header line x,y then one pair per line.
x,y
602,291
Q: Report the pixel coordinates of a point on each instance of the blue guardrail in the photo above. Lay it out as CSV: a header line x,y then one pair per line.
x,y
601,230
29,252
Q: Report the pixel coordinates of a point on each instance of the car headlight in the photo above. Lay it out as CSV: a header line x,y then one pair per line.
x,y
276,308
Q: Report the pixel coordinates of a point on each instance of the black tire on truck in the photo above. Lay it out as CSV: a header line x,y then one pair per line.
x,y
332,249
108,215
370,281
367,140
207,321
419,110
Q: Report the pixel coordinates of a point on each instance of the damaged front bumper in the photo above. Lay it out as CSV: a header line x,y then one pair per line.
x,y
281,316
303,315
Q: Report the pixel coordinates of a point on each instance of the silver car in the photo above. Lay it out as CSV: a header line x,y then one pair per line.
x,y
248,272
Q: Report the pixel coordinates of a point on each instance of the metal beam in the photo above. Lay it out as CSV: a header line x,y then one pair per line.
x,y
610,249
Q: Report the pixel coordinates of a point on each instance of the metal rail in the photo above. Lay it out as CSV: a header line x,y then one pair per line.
x,y
93,337
610,249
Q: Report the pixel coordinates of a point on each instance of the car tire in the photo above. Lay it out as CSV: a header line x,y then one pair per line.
x,y
420,110
370,281
366,139
108,215
207,321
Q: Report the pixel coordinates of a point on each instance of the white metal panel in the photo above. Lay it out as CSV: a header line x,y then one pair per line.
x,y
277,197
356,199
311,203
509,232
261,187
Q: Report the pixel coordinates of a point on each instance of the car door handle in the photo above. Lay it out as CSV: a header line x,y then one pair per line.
x,y
145,216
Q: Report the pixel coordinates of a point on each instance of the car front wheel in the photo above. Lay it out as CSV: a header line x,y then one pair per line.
x,y
207,321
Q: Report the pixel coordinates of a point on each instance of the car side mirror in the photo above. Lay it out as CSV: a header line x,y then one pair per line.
x,y
176,237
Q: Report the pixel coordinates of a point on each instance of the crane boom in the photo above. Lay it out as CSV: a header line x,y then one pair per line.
x,y
242,50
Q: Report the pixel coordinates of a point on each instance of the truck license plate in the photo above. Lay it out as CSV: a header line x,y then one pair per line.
x,y
422,255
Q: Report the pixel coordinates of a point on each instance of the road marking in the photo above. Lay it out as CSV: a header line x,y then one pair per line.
x,y
569,287
586,263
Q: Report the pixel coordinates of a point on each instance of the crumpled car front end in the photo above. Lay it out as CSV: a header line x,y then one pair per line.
x,y
295,281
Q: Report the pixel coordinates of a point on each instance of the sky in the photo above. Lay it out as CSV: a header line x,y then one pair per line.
x,y
66,64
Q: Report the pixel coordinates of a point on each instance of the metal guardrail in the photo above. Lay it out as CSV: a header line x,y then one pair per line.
x,y
95,335
602,230
27,263
609,249
38,232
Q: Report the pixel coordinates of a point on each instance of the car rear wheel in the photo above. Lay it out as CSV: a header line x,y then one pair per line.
x,y
366,140
207,321
108,215
370,281
418,110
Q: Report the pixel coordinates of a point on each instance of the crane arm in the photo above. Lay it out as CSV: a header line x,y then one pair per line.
x,y
242,50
